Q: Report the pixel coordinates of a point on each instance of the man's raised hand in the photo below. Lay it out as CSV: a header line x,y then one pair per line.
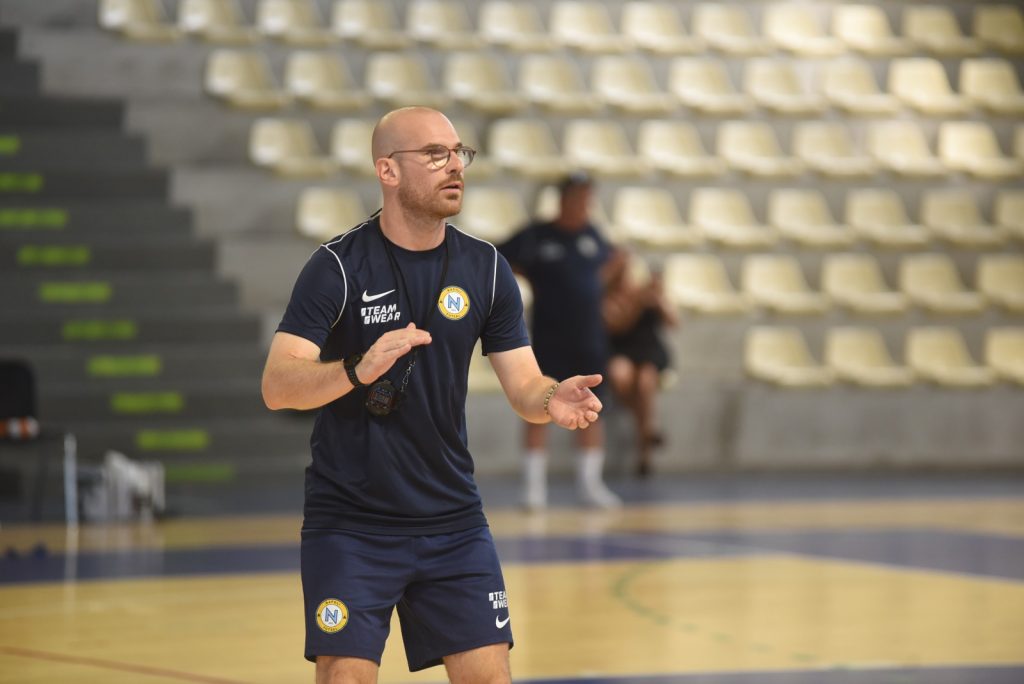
x,y
573,405
388,348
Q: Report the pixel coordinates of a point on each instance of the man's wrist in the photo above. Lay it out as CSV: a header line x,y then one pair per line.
x,y
548,395
350,370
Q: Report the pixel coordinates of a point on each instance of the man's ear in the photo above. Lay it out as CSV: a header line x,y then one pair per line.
x,y
387,171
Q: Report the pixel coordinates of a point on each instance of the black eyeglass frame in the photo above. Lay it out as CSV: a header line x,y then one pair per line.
x,y
435,161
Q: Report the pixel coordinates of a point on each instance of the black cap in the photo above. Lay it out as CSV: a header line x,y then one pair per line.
x,y
576,179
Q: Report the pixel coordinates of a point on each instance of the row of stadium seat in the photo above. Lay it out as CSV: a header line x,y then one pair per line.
x,y
479,81
583,25
858,355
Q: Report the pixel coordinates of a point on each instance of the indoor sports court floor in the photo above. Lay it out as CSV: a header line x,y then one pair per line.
x,y
826,579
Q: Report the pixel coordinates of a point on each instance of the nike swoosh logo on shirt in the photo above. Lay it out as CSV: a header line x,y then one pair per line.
x,y
369,297
499,623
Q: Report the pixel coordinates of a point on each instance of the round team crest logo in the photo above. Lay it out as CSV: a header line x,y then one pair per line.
x,y
332,616
453,303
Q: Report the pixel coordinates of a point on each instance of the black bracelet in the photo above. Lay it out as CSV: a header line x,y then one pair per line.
x,y
350,369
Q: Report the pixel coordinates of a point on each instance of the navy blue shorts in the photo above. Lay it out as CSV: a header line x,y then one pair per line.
x,y
448,589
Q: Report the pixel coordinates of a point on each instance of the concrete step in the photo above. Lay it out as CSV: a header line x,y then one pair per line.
x,y
109,291
130,184
34,149
18,78
81,218
171,401
54,253
47,111
8,43
129,329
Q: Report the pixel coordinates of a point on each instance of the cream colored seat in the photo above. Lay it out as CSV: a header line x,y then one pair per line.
x,y
901,147
725,216
940,354
796,28
936,29
482,379
143,20
601,147
289,147
776,282
513,25
215,21
323,213
775,84
855,281
727,27
656,26
401,80
921,83
650,216
296,22
629,84
971,147
866,28
953,215
492,214
675,147
478,80
878,215
751,147
1018,141
780,355
932,281
859,355
699,282
827,148
992,84
370,23
554,82
1009,212
445,24
1001,26
483,166
527,146
323,80
1001,279
802,215
850,84
586,25
1004,353
350,145
704,84
243,79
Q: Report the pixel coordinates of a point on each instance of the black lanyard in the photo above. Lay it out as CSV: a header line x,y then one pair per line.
x,y
399,277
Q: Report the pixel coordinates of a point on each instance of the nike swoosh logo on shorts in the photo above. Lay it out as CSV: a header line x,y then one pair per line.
x,y
499,623
369,297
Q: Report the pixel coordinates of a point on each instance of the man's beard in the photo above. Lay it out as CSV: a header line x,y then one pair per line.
x,y
429,202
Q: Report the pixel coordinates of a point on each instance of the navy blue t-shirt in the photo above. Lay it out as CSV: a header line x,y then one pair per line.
x,y
409,472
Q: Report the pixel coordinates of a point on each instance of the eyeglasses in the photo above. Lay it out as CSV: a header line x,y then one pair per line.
x,y
439,155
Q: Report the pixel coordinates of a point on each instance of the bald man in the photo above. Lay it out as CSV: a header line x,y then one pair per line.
x,y
377,337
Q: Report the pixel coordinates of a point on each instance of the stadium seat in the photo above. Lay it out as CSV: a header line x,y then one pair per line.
x,y
370,23
953,215
143,20
940,354
586,25
1004,353
727,27
935,29
826,147
650,216
1018,141
775,84
554,82
859,355
901,147
296,22
481,379
794,27
866,28
527,146
656,26
401,80
323,213
323,80
243,79
675,147
777,283
442,23
878,215
601,147
921,83
1009,212
850,84
699,282
350,145
780,355
1001,279
492,214
751,147
289,147
483,166
992,84
971,147
724,215
629,84
802,215
932,281
215,21
513,25
1001,26
478,80
704,85
855,281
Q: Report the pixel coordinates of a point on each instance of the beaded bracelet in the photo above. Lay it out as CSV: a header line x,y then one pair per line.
x,y
547,397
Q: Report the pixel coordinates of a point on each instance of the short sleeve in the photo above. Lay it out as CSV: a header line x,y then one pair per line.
x,y
318,298
505,327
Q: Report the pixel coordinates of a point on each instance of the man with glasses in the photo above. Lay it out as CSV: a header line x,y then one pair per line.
x,y
378,336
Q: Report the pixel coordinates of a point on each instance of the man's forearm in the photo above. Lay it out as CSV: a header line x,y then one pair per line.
x,y
304,384
528,402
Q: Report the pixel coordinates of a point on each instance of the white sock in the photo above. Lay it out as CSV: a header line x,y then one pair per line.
x,y
592,489
535,480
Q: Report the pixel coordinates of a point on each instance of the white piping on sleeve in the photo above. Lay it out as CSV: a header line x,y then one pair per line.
x,y
494,278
